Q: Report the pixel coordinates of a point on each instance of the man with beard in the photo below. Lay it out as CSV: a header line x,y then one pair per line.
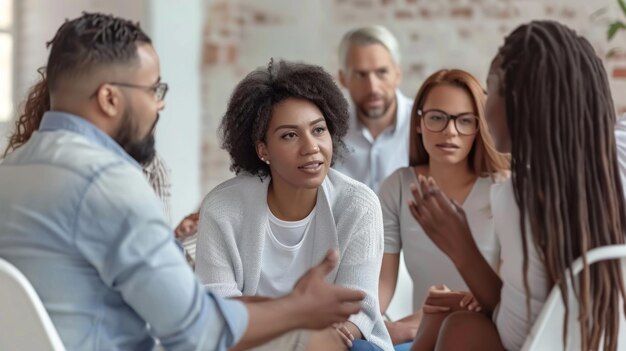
x,y
38,102
378,137
79,220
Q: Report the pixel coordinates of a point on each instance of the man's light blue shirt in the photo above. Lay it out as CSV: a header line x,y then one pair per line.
x,y
78,218
370,160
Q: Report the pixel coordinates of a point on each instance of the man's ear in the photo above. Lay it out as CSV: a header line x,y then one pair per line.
x,y
109,100
342,78
399,73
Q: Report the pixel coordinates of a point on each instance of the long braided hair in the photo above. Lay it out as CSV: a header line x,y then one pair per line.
x,y
36,104
564,167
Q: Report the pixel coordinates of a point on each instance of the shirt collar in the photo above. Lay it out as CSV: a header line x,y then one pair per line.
x,y
55,120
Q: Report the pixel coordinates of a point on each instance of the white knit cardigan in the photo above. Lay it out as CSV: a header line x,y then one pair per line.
x,y
233,222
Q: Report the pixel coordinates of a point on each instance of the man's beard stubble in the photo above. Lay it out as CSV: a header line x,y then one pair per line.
x,y
143,150
375,113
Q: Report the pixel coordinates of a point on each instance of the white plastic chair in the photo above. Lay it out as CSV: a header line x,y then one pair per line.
x,y
547,332
24,322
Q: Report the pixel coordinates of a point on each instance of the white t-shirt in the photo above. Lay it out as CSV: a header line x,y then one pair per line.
x,y
287,254
370,160
511,317
426,263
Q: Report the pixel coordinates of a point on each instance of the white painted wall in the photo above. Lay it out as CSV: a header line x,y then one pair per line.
x,y
176,30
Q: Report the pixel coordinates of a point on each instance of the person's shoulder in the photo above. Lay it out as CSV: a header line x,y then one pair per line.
x,y
236,191
348,189
501,192
404,98
397,179
241,183
74,153
404,110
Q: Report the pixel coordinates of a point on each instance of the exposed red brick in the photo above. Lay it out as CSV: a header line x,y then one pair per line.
x,y
206,147
403,14
220,7
210,53
501,12
416,69
364,4
259,18
232,54
465,33
225,32
461,12
619,72
568,12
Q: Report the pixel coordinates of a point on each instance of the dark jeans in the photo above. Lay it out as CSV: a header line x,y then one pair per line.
x,y
364,345
403,347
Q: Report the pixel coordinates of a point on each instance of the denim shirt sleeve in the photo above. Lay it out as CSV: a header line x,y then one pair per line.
x,y
122,231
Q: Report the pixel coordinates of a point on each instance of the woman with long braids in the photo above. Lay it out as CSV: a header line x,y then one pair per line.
x,y
549,105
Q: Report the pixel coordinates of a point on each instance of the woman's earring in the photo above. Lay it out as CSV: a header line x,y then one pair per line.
x,y
266,161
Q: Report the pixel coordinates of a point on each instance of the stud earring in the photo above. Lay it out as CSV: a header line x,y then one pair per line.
x,y
266,161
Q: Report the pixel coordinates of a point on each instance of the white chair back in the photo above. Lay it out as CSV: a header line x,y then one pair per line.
x,y
547,332
24,322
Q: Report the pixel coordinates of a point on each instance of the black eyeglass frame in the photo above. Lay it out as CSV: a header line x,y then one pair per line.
x,y
158,89
421,113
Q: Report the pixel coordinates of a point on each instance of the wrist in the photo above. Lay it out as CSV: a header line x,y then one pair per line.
x,y
294,308
284,312
467,256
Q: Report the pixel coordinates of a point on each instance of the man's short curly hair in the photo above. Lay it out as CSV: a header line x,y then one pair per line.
x,y
250,109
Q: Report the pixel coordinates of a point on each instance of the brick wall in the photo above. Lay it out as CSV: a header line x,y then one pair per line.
x,y
241,35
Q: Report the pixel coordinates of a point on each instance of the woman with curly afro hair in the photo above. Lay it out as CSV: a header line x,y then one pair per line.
x,y
285,208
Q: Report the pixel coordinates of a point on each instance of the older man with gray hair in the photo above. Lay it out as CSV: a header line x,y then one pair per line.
x,y
378,137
